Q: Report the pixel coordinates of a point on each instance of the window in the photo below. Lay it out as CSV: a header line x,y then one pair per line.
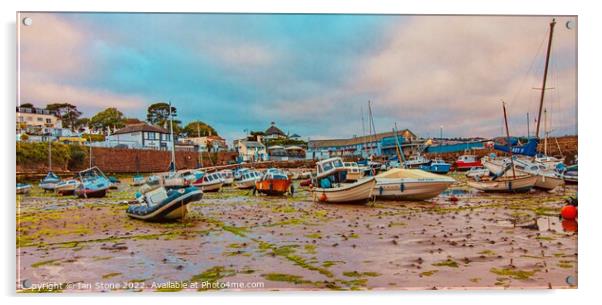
x,y
40,120
48,121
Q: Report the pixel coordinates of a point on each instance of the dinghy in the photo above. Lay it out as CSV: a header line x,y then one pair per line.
x,y
160,204
274,182
330,179
93,183
546,179
49,182
66,187
504,184
248,180
410,184
23,188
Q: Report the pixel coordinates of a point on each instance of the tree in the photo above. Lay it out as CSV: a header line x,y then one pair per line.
x,y
66,112
81,122
198,128
158,113
110,117
27,105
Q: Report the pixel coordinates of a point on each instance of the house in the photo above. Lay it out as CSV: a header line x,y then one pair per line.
x,y
365,146
208,143
141,135
250,151
37,121
274,132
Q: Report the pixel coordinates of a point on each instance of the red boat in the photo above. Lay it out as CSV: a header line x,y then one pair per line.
x,y
273,184
466,162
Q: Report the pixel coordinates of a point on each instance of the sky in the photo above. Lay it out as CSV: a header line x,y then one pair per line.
x,y
311,74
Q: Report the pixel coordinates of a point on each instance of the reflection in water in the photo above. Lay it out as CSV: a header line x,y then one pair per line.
x,y
569,225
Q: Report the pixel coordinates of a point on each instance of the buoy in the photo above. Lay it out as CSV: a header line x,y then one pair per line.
x,y
323,197
569,225
568,212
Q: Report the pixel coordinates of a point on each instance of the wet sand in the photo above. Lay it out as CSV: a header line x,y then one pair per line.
x,y
233,240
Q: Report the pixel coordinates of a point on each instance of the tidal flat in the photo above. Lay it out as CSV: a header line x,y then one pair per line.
x,y
234,240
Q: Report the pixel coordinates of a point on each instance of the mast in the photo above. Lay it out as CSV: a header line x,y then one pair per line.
x,y
400,156
49,154
545,132
198,130
528,131
364,132
508,139
372,127
545,76
173,142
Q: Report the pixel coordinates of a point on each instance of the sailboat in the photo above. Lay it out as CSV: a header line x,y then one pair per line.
x,y
49,182
530,148
500,182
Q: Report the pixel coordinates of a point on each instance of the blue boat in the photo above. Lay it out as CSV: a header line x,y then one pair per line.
x,y
94,183
161,204
23,188
437,166
49,182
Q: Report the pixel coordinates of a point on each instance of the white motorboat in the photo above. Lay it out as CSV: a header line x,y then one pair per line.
x,y
416,161
410,184
211,182
248,179
227,176
507,184
546,179
330,178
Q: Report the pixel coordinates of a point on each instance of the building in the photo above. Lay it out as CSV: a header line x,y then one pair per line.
x,y
142,136
285,153
208,143
274,132
37,121
250,151
381,144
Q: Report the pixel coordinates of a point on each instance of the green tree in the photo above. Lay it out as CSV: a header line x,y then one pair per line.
x,y
81,122
158,113
27,105
66,112
110,117
198,128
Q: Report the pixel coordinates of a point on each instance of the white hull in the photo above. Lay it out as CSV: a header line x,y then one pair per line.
x,y
548,183
505,184
409,189
246,184
228,181
354,192
213,186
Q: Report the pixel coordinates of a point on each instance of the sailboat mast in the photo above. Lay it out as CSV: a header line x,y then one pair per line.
x,y
528,123
508,139
49,153
545,76
364,132
545,131
173,142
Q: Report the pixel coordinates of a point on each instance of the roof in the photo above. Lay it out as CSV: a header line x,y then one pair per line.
x,y
358,140
252,143
295,136
273,130
140,127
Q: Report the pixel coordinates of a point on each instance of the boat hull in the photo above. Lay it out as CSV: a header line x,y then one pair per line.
x,y
360,191
548,183
86,193
210,187
175,209
464,166
273,187
437,168
245,184
408,189
505,184
23,189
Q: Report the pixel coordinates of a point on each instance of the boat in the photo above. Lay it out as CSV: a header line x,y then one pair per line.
x,y
227,177
161,204
477,171
547,179
330,179
93,183
410,184
466,162
354,172
416,161
274,182
248,180
570,174
208,182
23,188
49,182
239,172
436,166
509,184
66,187
137,180
114,182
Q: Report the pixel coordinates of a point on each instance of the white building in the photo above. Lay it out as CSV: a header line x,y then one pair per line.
x,y
141,136
250,151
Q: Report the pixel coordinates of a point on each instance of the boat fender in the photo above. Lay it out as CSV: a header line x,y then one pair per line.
x,y
401,187
380,190
323,197
292,190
